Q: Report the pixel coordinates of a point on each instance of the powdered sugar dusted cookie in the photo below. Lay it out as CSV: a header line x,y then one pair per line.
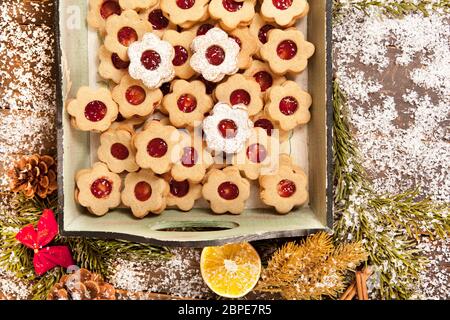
x,y
214,55
151,61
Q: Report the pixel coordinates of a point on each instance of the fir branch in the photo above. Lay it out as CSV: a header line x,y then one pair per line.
x,y
395,9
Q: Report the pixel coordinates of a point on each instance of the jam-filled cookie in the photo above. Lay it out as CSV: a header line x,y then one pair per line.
x,y
123,30
194,160
248,46
182,193
259,29
137,4
111,66
227,128
263,75
226,190
239,89
288,105
215,55
135,99
185,12
159,21
284,189
259,155
181,42
187,104
203,27
98,189
287,51
117,151
144,192
151,61
99,11
157,147
261,120
93,109
284,12
232,14
129,124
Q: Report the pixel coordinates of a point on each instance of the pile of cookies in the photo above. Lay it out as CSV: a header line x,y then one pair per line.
x,y
198,105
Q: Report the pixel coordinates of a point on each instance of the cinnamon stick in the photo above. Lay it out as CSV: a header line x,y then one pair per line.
x,y
350,293
359,285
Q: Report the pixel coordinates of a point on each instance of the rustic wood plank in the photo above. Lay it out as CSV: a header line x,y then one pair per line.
x,y
34,12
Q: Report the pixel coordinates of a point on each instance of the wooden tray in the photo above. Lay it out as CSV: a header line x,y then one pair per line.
x,y
198,227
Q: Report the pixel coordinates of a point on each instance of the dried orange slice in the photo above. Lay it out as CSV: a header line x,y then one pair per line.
x,y
231,270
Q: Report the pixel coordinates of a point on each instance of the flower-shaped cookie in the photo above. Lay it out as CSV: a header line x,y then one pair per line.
x,y
258,156
98,189
288,105
227,128
259,29
284,12
144,193
185,11
117,151
215,55
157,19
187,104
157,147
248,46
181,42
226,190
99,11
111,66
151,61
194,161
232,14
93,109
239,89
284,189
183,193
287,51
262,74
134,98
261,120
137,4
123,30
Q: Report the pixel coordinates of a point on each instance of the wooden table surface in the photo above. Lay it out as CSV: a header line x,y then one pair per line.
x,y
37,15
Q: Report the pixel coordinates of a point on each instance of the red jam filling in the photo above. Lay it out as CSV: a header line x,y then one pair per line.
x,y
181,56
157,19
237,40
179,188
232,6
150,59
187,103
227,128
240,96
119,63
262,34
135,95
185,4
287,49
215,55
264,124
189,157
288,105
165,88
127,36
157,148
264,80
228,190
119,151
204,28
142,191
101,188
286,188
95,111
256,153
282,4
109,8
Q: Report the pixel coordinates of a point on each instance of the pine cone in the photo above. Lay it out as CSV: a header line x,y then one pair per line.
x,y
82,285
34,175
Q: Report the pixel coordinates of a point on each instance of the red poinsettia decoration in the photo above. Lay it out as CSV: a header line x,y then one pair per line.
x,y
36,238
